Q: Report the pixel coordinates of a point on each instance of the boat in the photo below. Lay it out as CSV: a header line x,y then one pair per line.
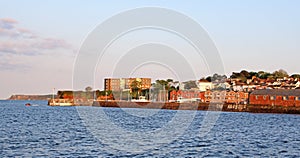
x,y
60,102
141,99
27,104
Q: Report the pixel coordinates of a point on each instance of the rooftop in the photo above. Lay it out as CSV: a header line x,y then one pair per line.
x,y
278,92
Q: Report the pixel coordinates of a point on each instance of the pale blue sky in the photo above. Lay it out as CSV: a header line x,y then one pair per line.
x,y
249,34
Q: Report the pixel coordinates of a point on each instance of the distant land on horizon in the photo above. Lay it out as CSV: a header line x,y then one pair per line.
x,y
30,97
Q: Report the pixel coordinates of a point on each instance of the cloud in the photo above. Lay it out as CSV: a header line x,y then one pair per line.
x,y
7,23
19,48
17,42
22,41
51,43
9,20
32,47
9,29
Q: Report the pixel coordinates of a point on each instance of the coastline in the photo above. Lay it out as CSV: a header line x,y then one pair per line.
x,y
195,106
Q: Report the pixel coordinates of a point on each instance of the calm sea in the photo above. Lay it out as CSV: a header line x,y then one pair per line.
x,y
43,131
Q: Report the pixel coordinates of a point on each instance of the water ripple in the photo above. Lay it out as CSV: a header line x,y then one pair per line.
x,y
44,131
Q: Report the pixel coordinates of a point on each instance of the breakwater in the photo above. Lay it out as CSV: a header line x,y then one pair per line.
x,y
201,106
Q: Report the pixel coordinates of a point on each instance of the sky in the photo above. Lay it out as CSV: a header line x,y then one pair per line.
x,y
40,40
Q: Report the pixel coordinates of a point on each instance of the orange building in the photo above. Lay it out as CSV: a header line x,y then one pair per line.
x,y
230,97
186,94
281,97
214,96
239,97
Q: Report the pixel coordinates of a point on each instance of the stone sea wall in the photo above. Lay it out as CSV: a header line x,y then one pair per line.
x,y
202,106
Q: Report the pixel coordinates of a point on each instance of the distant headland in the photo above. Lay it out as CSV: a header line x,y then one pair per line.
x,y
30,97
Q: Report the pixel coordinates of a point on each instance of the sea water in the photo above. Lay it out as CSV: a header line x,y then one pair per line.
x,y
44,131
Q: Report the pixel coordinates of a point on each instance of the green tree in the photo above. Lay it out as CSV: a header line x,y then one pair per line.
x,y
208,78
104,93
243,78
135,89
161,84
218,78
88,89
253,74
295,76
190,85
264,75
169,80
172,88
245,74
235,75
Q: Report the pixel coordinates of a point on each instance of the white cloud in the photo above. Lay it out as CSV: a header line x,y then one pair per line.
x,y
16,41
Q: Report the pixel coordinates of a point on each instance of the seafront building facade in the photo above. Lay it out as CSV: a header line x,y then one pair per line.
x,y
125,84
275,97
255,91
230,97
192,95
280,92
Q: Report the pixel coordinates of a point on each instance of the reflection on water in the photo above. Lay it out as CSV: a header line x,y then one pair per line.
x,y
59,131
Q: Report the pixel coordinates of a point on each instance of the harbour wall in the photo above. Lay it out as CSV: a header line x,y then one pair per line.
x,y
201,106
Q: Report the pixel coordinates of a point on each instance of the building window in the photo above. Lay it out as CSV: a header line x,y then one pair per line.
x,y
285,98
272,98
297,98
265,97
256,97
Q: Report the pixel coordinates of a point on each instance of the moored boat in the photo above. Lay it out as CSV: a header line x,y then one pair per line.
x,y
61,102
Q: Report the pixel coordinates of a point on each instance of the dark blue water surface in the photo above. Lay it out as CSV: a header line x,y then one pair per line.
x,y
44,131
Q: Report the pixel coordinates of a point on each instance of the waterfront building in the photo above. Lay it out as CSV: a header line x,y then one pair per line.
x,y
191,95
281,97
214,96
238,97
204,85
118,84
230,97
